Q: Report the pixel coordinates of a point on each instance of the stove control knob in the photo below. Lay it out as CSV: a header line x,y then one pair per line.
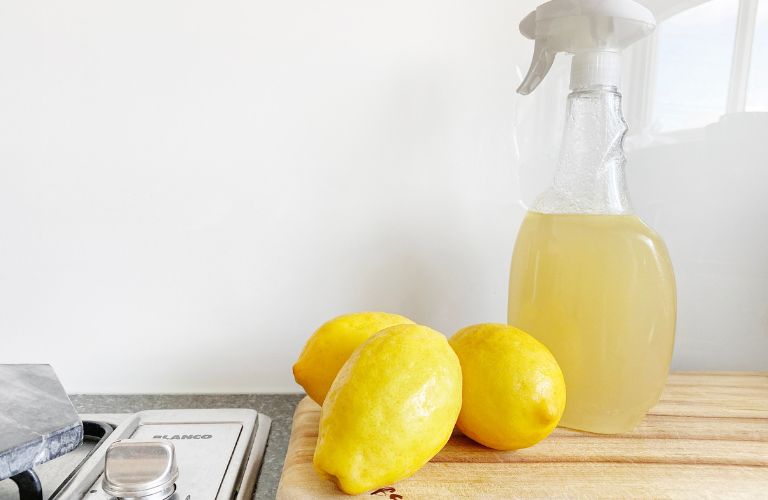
x,y
140,470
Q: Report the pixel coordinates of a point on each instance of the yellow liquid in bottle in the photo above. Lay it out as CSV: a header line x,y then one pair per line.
x,y
599,292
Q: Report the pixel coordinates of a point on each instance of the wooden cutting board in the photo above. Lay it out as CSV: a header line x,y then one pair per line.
x,y
707,437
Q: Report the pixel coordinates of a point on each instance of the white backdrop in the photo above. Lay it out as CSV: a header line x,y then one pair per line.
x,y
189,188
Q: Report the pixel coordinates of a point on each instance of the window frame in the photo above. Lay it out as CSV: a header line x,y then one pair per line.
x,y
645,63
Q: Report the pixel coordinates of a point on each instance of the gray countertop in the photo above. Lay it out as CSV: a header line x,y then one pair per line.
x,y
279,407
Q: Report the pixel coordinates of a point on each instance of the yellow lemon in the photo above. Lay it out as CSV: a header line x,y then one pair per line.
x,y
392,407
332,344
514,392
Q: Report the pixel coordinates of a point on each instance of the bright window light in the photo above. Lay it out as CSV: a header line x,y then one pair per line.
x,y
757,91
695,50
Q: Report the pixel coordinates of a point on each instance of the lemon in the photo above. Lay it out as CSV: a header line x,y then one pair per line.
x,y
391,408
514,392
332,344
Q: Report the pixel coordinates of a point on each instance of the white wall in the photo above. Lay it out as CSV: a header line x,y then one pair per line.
x,y
189,188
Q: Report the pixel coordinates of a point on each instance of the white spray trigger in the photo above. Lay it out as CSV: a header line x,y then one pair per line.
x,y
595,31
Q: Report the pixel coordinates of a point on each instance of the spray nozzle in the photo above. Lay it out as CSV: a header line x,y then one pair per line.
x,y
595,31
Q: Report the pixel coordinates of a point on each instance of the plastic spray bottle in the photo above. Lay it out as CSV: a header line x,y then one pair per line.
x,y
589,279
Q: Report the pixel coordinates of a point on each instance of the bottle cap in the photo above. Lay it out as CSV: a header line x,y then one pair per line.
x,y
595,31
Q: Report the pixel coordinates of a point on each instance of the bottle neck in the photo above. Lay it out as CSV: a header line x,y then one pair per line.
x,y
590,172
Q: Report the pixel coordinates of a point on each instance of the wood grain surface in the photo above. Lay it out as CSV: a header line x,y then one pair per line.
x,y
707,438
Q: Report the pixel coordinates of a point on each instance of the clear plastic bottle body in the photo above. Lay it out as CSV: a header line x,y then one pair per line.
x,y
591,281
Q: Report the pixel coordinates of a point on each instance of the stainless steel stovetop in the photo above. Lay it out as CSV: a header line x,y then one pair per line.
x,y
187,454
